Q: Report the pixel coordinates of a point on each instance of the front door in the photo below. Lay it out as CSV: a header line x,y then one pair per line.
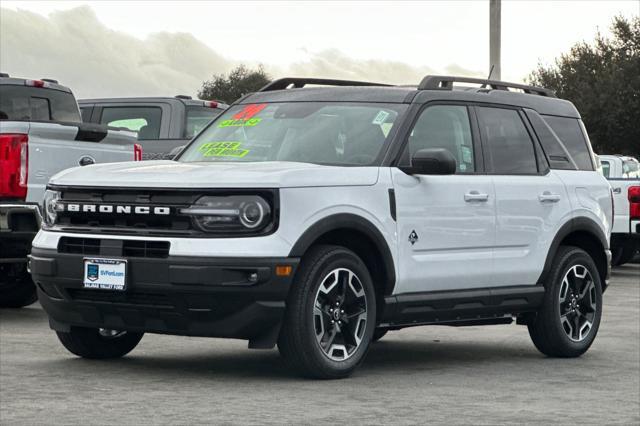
x,y
445,224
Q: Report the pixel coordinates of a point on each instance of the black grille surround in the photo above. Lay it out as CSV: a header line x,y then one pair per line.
x,y
175,224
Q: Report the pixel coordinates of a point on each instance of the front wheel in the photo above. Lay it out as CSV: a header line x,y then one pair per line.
x,y
331,313
99,343
569,318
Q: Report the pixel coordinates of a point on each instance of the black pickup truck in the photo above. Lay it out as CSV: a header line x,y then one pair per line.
x,y
161,123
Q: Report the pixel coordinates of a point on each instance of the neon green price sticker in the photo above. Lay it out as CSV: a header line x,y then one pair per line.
x,y
240,123
223,149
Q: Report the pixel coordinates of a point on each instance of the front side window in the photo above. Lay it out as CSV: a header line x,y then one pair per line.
x,y
446,127
328,133
145,121
508,143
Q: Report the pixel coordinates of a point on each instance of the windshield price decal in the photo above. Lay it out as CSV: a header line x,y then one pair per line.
x,y
223,149
245,117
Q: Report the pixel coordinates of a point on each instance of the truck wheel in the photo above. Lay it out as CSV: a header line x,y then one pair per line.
x,y
623,255
16,287
331,314
378,334
99,343
568,321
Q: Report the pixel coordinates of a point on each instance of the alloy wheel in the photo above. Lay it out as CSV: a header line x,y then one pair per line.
x,y
340,314
578,303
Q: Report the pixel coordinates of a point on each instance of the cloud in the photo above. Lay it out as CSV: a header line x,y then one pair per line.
x,y
74,47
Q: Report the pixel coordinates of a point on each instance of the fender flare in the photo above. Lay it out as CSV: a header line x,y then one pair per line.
x,y
354,222
573,225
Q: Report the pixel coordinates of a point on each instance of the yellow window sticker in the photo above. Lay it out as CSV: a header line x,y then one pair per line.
x,y
240,123
223,149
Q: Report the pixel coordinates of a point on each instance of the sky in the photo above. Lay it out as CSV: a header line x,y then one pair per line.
x,y
111,48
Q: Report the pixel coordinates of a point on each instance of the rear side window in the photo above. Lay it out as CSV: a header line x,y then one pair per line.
x,y
145,121
444,126
606,169
508,143
86,113
37,104
570,133
197,119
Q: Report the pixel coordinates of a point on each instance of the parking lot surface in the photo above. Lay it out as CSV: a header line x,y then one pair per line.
x,y
478,375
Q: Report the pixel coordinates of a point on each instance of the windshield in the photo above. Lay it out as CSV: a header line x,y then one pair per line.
x,y
310,132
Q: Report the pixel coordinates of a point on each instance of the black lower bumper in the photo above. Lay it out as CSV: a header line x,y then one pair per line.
x,y
217,297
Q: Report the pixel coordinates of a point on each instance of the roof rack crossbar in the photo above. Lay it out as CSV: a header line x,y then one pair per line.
x,y
445,82
297,83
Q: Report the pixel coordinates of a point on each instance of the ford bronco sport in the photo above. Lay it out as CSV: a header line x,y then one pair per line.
x,y
320,218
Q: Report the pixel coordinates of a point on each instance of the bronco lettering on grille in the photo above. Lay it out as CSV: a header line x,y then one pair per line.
x,y
116,209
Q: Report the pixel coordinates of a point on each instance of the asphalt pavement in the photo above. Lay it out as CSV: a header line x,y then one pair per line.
x,y
468,375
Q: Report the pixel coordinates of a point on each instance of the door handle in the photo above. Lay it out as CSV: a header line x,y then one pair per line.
x,y
473,196
548,197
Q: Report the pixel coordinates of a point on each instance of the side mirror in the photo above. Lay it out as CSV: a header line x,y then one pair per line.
x,y
431,161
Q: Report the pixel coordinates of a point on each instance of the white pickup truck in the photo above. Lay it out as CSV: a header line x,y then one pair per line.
x,y
41,133
623,174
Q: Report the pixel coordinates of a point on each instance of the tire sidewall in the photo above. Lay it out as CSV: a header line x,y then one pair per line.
x,y
342,258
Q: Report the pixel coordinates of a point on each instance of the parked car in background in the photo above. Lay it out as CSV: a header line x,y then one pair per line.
x,y
162,124
41,134
623,174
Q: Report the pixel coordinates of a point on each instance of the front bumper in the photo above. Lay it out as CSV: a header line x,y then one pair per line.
x,y
19,224
216,297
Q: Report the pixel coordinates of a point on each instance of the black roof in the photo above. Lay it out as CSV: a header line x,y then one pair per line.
x,y
431,88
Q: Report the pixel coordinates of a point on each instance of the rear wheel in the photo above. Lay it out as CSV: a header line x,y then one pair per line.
x,y
330,316
569,318
16,287
99,343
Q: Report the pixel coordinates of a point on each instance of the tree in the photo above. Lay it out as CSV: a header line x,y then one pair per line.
x,y
602,79
240,81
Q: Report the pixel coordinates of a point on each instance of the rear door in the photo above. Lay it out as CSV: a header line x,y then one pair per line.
x,y
531,201
445,224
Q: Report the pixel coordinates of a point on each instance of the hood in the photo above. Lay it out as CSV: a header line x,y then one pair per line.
x,y
172,174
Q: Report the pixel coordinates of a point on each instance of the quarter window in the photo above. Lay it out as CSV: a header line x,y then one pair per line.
x,y
447,127
570,133
508,143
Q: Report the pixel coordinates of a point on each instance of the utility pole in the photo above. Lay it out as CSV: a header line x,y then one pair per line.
x,y
494,39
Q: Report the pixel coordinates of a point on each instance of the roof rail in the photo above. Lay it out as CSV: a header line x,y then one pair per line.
x,y
445,82
284,83
183,97
4,74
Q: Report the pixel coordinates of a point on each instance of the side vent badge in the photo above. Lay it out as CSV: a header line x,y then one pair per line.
x,y
413,237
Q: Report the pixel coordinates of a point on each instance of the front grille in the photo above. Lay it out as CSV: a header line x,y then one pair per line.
x,y
126,248
119,222
139,299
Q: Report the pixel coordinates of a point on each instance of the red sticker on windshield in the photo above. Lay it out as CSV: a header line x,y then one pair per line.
x,y
249,111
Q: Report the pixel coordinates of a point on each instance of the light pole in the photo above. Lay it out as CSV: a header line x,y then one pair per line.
x,y
494,39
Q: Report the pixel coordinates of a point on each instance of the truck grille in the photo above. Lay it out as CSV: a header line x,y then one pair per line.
x,y
125,248
172,224
125,298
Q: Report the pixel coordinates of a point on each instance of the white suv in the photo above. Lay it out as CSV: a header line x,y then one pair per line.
x,y
321,218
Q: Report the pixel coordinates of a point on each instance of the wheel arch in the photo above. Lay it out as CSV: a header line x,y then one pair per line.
x,y
583,233
359,235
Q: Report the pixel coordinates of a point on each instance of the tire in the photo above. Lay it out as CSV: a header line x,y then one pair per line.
x,y
626,255
573,273
378,334
16,287
308,341
97,343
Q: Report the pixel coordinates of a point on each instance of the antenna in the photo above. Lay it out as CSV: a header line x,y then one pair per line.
x,y
490,72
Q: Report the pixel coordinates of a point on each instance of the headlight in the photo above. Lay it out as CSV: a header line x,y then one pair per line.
x,y
50,207
233,213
